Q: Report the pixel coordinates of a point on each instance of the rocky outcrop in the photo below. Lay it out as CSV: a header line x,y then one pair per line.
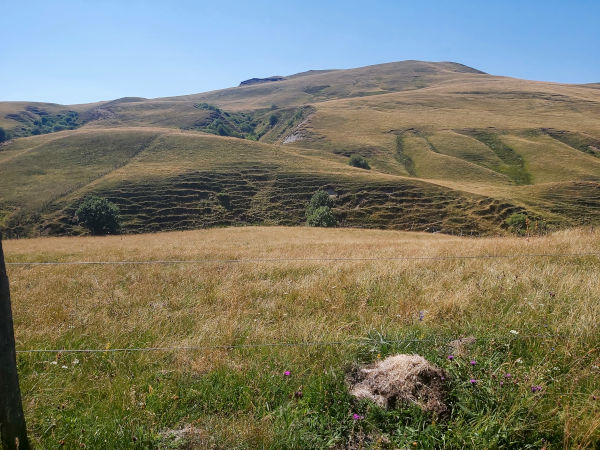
x,y
261,80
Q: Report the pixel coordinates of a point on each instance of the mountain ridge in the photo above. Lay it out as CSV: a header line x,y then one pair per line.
x,y
451,149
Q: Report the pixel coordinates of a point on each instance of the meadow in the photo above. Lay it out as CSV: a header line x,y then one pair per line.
x,y
255,335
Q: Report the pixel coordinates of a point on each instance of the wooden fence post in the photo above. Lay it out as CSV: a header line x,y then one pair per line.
x,y
12,419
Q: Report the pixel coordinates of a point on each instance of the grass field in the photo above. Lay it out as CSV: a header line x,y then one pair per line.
x,y
534,317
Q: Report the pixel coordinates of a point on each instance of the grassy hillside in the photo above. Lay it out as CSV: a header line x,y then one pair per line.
x,y
182,180
450,148
533,318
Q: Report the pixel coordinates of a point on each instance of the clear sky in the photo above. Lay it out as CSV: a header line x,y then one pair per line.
x,y
69,51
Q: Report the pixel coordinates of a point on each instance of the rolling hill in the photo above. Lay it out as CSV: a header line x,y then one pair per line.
x,y
451,149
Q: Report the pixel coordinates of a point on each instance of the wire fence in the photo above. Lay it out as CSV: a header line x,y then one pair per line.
x,y
320,259
434,340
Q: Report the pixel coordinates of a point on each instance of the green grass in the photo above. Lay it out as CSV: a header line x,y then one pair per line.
x,y
146,400
430,164
582,142
465,147
404,159
512,164
549,160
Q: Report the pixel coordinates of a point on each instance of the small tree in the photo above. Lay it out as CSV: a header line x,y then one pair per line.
x,y
359,161
517,220
98,215
519,223
3,135
321,217
318,210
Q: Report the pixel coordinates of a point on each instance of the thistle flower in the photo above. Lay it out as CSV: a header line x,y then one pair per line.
x,y
473,362
473,381
450,357
287,373
357,417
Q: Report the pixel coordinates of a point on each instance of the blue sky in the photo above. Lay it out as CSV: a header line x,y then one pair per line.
x,y
89,50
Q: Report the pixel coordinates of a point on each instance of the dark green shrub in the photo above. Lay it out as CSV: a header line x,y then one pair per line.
x,y
224,199
517,222
273,120
3,135
521,224
318,210
206,106
319,198
359,161
321,217
98,215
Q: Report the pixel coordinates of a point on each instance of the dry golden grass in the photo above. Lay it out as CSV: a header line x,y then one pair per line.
x,y
295,300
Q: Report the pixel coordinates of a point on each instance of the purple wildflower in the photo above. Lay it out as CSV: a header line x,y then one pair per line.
x,y
473,381
536,388
287,373
473,362
507,375
421,315
357,417
502,383
450,357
